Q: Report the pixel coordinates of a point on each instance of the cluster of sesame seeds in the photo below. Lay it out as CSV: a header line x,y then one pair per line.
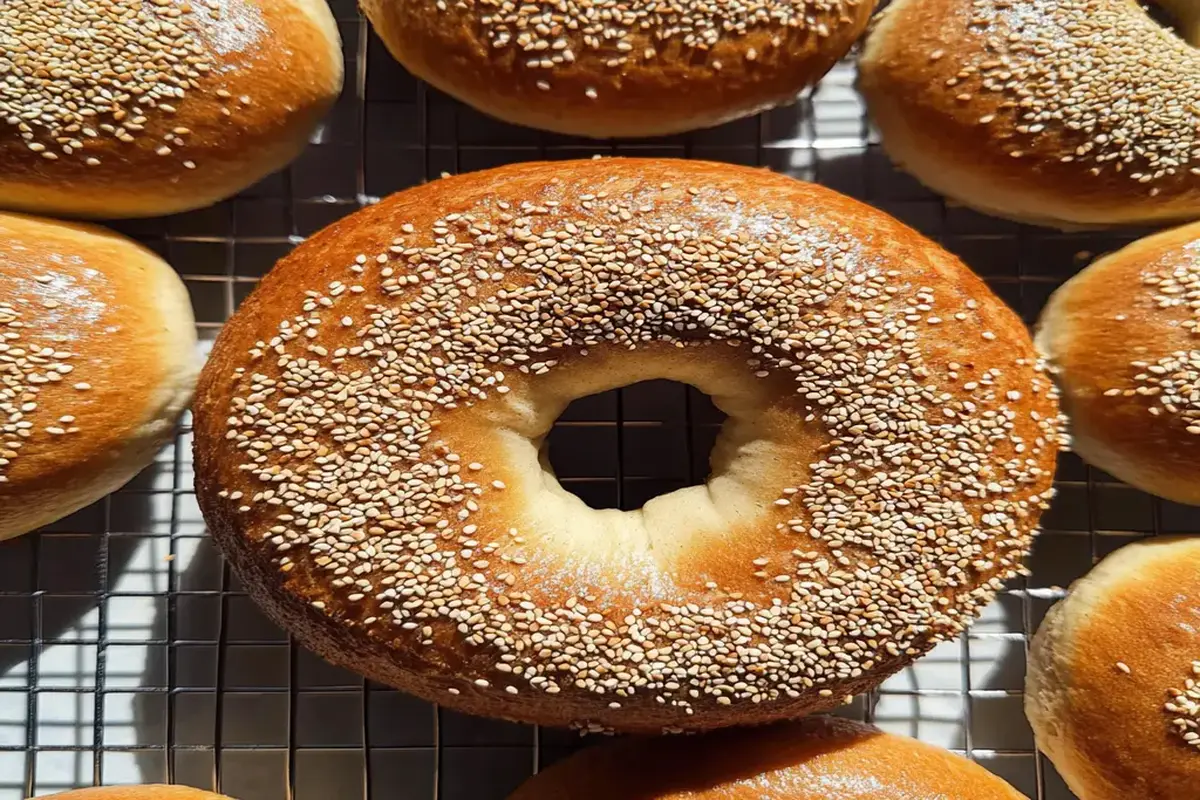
x,y
550,35
73,72
1173,380
1184,708
1128,94
916,511
24,370
1179,287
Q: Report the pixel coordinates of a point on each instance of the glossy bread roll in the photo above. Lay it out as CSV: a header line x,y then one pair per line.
x,y
369,424
613,68
97,361
822,758
149,792
123,108
1113,687
1057,112
1123,337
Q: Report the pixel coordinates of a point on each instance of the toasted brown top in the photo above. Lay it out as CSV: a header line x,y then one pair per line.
x,y
368,425
821,758
150,108
1124,338
616,68
1074,111
1106,670
96,362
150,792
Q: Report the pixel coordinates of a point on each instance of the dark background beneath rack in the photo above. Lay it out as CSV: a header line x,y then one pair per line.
x,y
128,653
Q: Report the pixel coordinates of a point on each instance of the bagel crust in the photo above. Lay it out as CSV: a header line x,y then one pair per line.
x,y
369,423
821,758
1070,113
1123,338
125,108
1112,688
620,67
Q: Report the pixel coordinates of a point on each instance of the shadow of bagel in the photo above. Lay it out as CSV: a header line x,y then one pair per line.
x,y
64,571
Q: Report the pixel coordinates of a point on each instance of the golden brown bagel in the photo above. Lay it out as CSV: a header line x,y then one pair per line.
x,y
822,758
391,510
1058,112
149,792
170,106
97,361
1104,671
1124,340
577,68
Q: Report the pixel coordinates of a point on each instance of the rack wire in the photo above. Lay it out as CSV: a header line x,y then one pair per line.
x,y
128,653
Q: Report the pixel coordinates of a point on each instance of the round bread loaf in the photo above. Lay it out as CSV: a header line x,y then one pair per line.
x,y
1113,688
122,108
1057,112
613,68
1123,337
149,792
369,425
822,758
97,361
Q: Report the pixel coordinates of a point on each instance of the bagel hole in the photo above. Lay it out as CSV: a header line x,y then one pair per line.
x,y
621,448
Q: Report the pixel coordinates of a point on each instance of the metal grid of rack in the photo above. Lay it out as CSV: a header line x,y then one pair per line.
x,y
129,654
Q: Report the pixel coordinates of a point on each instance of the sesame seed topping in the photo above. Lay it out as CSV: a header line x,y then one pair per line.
x,y
1184,708
1172,382
25,368
1140,122
75,72
615,31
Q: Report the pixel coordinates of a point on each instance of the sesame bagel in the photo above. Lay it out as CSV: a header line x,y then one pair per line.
x,y
1123,337
148,792
369,427
604,68
822,758
1113,686
1069,113
125,108
97,362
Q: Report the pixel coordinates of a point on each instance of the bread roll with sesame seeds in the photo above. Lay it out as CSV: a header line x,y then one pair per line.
x,y
369,426
1123,338
149,792
97,362
821,758
1067,113
1113,685
606,68
171,105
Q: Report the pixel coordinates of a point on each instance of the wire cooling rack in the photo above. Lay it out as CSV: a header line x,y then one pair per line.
x,y
129,654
